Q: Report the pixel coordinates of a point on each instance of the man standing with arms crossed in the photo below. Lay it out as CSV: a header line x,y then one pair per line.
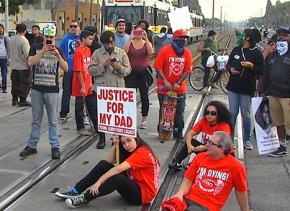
x,y
45,60
68,45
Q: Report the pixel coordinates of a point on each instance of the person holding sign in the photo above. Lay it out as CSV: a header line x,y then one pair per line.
x,y
109,65
173,64
136,178
216,117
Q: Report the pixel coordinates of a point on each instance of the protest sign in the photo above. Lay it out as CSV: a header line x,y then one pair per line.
x,y
117,111
180,19
266,135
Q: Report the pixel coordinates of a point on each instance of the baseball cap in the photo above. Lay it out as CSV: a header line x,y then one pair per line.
x,y
120,20
179,33
49,29
282,31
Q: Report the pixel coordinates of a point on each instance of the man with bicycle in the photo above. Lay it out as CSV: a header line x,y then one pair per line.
x,y
207,47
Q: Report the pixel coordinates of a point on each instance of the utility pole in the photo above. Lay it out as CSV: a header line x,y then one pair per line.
x,y
212,17
6,16
77,11
91,7
221,19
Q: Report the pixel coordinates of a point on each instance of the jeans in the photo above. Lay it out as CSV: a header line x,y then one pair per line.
x,y
38,101
3,66
128,189
91,102
66,94
137,79
240,101
179,115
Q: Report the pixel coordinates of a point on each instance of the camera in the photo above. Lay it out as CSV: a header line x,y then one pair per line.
x,y
48,42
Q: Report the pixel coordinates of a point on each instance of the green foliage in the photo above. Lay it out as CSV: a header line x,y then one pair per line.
x,y
14,5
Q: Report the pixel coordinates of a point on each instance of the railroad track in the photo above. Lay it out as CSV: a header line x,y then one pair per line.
x,y
14,191
170,178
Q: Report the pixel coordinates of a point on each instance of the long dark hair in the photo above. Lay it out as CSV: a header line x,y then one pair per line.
x,y
223,113
124,154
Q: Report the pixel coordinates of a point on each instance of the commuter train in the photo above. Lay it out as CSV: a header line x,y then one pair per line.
x,y
154,11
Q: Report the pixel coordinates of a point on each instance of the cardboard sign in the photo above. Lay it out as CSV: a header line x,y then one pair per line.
x,y
266,135
180,19
117,111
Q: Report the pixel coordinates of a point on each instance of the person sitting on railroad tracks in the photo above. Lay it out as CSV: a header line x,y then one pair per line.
x,y
173,64
109,65
138,186
216,117
208,181
206,47
45,59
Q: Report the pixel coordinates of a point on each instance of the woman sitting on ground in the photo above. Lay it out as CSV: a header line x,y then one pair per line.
x,y
138,186
216,117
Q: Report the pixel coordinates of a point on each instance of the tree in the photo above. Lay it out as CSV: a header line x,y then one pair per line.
x,y
14,5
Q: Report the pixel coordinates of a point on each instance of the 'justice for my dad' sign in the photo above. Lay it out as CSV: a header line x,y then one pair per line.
x,y
117,110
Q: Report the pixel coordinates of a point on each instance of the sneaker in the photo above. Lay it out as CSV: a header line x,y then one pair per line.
x,y
175,165
178,135
83,132
86,120
102,141
66,195
55,153
76,201
143,125
4,91
62,118
248,145
27,151
279,152
24,104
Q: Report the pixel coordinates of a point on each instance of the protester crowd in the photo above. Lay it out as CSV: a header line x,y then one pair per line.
x,y
122,60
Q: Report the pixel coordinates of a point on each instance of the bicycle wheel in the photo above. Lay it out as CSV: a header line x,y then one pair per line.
x,y
196,78
224,81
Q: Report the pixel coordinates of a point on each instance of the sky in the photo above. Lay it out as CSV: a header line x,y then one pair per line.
x,y
235,10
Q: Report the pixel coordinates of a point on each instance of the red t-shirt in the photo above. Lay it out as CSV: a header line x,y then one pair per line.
x,y
213,180
82,58
207,130
172,67
145,171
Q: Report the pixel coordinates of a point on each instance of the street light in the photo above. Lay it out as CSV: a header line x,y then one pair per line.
x,y
212,18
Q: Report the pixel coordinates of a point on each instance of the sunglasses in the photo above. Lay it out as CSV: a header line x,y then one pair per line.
x,y
73,26
209,142
212,113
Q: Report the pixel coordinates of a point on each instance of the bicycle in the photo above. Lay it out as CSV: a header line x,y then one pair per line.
x,y
196,78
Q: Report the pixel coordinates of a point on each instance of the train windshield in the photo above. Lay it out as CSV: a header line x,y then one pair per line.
x,y
131,14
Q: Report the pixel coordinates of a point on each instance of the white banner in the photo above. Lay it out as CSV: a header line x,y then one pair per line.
x,y
180,19
117,110
266,135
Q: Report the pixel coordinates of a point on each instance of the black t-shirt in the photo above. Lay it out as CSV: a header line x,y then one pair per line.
x,y
245,83
45,72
